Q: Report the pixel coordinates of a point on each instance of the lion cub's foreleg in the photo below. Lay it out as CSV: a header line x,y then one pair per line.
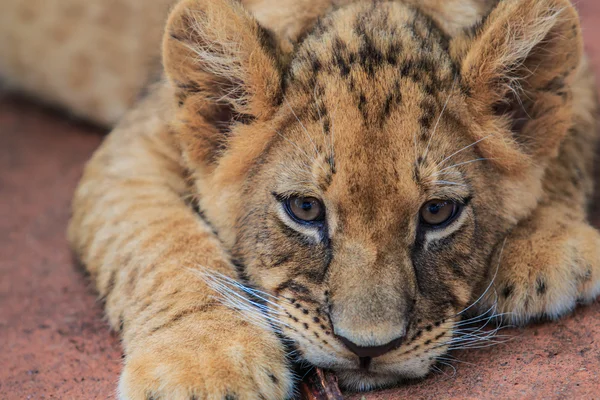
x,y
141,243
551,261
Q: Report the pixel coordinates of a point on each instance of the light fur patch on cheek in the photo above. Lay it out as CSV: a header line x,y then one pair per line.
x,y
439,234
311,232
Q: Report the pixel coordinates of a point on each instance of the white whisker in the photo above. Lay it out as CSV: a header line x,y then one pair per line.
x,y
449,365
463,149
459,164
438,120
491,282
227,290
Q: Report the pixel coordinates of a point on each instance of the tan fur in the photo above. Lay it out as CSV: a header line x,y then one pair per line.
x,y
375,109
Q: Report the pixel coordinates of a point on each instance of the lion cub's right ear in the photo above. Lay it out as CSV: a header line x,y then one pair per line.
x,y
224,68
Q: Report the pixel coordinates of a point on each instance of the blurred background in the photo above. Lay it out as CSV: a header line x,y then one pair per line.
x,y
54,341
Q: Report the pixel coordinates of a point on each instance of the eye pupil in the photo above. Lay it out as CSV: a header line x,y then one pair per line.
x,y
306,209
435,208
306,206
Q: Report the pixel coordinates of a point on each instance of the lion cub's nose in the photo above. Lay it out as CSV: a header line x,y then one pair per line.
x,y
371,351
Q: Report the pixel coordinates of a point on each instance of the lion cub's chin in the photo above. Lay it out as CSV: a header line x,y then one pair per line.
x,y
377,377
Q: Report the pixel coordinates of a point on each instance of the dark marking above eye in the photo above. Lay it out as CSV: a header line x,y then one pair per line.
x,y
362,101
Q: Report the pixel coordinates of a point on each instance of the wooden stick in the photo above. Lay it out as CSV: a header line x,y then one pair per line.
x,y
320,385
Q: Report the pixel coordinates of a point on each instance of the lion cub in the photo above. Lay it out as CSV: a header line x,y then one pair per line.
x,y
343,195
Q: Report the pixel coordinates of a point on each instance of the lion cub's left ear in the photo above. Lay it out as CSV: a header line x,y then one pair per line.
x,y
519,71
224,68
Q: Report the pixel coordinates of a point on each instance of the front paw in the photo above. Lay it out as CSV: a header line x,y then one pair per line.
x,y
216,356
544,270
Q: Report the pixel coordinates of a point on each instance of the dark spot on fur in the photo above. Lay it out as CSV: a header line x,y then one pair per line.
x,y
362,101
273,378
305,311
507,291
316,319
305,325
416,336
428,328
540,286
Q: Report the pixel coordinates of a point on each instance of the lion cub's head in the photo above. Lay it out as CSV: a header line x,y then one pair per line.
x,y
364,178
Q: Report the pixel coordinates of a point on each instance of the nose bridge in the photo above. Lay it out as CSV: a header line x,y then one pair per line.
x,y
371,293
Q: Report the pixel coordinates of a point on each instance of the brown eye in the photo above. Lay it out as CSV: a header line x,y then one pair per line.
x,y
305,209
438,212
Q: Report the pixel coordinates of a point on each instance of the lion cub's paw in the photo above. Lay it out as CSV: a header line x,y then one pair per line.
x,y
545,271
209,360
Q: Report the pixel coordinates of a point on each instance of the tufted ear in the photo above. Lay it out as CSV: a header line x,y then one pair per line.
x,y
224,69
519,72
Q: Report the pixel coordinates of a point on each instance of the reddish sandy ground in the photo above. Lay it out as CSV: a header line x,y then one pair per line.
x,y
54,342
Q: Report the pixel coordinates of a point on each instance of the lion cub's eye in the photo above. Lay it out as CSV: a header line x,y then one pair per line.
x,y
438,212
305,209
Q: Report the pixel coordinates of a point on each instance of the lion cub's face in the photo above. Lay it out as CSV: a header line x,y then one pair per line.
x,y
367,186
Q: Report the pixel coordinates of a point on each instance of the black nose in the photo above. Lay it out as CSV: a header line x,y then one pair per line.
x,y
371,351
